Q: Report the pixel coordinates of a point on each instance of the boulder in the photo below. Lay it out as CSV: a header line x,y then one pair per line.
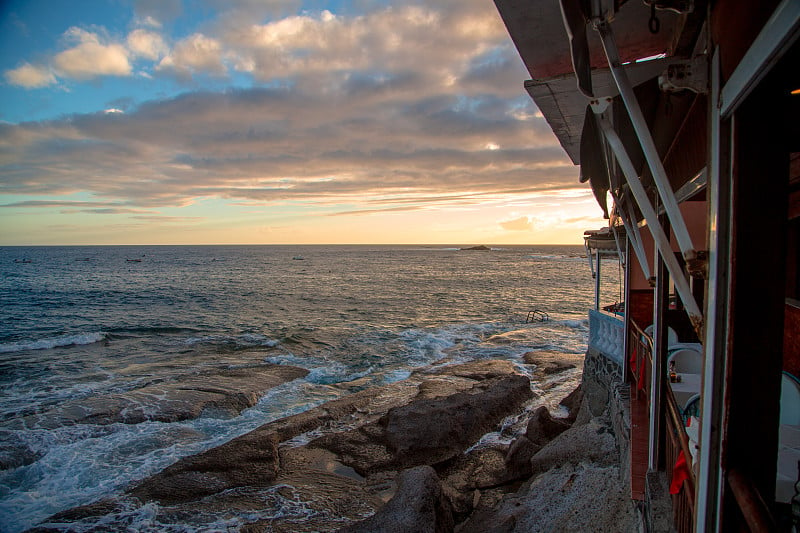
x,y
418,506
542,427
481,468
592,442
572,402
518,458
430,429
582,497
434,430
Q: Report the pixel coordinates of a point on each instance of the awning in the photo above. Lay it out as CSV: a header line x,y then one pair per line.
x,y
588,43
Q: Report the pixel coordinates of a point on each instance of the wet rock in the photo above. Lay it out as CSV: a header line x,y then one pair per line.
x,y
549,362
250,460
431,431
221,394
573,403
474,370
14,451
518,458
338,462
418,505
542,427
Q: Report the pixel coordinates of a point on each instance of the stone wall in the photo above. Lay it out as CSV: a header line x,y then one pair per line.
x,y
605,390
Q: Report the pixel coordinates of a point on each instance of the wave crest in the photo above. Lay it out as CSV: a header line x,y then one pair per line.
x,y
48,343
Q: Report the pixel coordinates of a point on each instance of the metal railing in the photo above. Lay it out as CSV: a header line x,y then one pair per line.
x,y
537,315
640,360
677,441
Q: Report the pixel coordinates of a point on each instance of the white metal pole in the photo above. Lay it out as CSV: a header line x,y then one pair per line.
x,y
646,141
709,481
635,236
661,240
597,283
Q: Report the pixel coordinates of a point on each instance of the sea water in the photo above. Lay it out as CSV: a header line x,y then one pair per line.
x,y
82,322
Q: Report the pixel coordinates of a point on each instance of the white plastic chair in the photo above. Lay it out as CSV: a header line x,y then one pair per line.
x,y
686,361
790,400
672,337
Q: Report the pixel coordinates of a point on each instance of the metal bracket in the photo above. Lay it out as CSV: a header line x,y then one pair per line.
x,y
698,267
691,74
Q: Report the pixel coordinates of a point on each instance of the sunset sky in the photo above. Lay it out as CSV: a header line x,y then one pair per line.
x,y
275,122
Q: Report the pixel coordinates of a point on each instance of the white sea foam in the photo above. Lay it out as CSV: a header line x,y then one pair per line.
x,y
49,343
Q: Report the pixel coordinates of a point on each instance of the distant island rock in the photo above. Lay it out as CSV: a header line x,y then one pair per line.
x,y
478,248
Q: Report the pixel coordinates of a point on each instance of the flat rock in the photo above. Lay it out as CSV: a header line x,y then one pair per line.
x,y
548,362
251,460
224,393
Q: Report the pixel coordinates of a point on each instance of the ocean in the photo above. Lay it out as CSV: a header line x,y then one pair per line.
x,y
81,323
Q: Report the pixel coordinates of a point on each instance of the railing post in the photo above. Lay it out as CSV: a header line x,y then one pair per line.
x,y
597,282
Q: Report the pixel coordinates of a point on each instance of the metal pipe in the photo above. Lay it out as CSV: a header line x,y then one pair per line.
x,y
640,251
646,141
661,240
589,257
597,283
709,480
634,235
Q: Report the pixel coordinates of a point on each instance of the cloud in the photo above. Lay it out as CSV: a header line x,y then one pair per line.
x,y
523,223
91,57
196,53
397,108
155,13
30,76
393,39
147,44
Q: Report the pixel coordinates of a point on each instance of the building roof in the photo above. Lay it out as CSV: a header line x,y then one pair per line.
x,y
538,31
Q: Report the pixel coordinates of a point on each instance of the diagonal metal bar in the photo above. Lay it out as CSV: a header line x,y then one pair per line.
x,y
634,235
646,140
661,239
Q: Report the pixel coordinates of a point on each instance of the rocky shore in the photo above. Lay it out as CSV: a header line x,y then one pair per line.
x,y
401,457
